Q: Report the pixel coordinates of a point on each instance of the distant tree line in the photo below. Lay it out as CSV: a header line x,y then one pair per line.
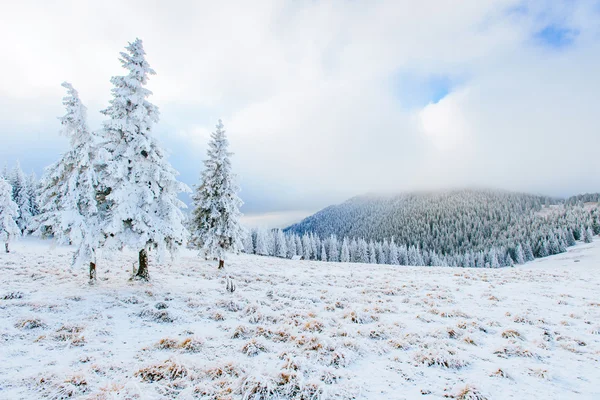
x,y
459,228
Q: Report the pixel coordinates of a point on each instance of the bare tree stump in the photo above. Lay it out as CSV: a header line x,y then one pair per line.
x,y
92,272
142,272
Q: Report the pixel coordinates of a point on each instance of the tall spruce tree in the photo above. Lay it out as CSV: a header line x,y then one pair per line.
x,y
20,195
9,212
217,230
139,186
68,195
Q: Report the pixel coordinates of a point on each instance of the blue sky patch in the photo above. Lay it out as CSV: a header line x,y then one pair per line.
x,y
415,91
556,37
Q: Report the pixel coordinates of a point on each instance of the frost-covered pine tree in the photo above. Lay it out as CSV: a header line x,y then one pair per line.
x,y
249,243
333,249
362,255
345,252
299,248
307,246
291,245
354,251
372,255
69,187
519,255
315,244
20,195
9,212
217,230
261,244
5,173
323,253
588,235
280,244
139,186
33,194
385,251
394,260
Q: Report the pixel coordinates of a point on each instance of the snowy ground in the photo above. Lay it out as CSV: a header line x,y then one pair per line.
x,y
296,329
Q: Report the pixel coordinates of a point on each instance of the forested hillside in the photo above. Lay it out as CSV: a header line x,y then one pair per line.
x,y
465,224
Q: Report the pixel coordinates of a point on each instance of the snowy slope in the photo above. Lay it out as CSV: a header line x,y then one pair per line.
x,y
298,328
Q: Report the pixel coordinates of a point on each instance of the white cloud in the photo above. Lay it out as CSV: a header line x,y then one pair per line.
x,y
444,124
307,94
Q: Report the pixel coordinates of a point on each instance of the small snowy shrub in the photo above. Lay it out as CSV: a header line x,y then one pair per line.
x,y
228,369
191,345
500,373
253,348
168,370
539,373
512,334
217,316
359,317
160,316
241,332
469,393
71,387
379,333
13,296
32,323
314,325
166,344
514,351
257,387
440,356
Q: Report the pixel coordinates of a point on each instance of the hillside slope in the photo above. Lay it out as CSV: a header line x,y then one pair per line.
x,y
298,328
457,222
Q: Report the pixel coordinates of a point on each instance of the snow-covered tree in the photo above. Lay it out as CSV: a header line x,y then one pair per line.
x,y
315,244
345,252
69,187
354,251
217,228
588,235
394,260
414,256
280,244
262,242
403,255
139,186
519,255
386,249
9,211
372,255
299,247
362,255
20,195
5,173
333,251
248,243
307,246
33,194
323,253
291,245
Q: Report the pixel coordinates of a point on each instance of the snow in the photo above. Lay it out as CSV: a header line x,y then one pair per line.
x,y
295,328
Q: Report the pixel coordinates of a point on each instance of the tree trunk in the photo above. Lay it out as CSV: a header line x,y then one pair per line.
x,y
92,272
221,264
142,272
6,247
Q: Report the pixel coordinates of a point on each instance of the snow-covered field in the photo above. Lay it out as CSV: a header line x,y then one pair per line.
x,y
298,329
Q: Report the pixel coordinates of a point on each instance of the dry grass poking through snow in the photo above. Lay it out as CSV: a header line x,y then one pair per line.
x,y
298,330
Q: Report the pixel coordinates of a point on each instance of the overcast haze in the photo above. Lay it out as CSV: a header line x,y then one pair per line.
x,y
324,100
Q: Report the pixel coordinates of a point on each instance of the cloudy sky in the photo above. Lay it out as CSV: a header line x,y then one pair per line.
x,y
324,100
